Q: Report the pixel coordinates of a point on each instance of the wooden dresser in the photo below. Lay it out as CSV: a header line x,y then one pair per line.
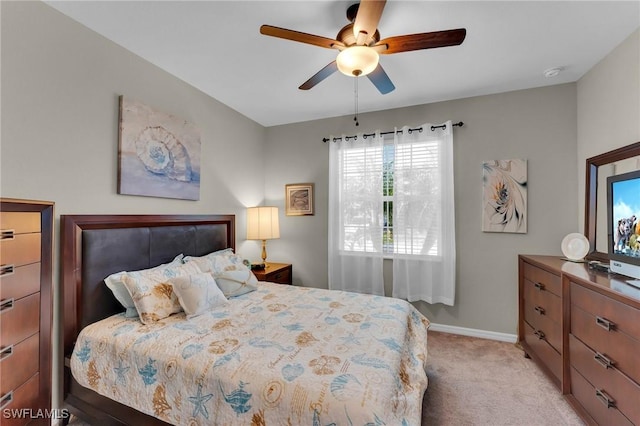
x,y
599,322
26,310
540,309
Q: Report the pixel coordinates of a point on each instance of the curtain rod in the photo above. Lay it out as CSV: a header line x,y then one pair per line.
x,y
366,135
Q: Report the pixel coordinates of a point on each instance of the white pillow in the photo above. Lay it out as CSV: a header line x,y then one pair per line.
x,y
116,285
152,293
198,293
236,282
219,261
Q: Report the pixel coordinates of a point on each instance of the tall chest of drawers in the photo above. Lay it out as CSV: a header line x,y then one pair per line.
x,y
25,310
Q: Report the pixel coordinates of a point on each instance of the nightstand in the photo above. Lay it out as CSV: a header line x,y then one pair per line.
x,y
275,272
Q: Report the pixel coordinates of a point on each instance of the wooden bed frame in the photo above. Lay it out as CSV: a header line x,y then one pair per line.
x,y
95,246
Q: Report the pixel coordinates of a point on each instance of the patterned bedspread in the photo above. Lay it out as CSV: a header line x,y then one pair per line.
x,y
276,356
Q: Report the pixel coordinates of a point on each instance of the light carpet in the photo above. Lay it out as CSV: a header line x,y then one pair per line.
x,y
476,381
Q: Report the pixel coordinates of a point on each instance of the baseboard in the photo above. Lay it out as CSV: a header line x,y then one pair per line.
x,y
472,332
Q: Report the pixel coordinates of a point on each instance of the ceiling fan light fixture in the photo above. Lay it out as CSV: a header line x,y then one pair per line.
x,y
357,61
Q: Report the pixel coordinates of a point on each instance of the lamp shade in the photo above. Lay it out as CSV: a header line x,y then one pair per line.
x,y
357,60
262,223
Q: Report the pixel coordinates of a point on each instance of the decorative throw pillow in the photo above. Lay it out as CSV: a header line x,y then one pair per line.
x,y
219,261
236,282
152,293
198,293
116,285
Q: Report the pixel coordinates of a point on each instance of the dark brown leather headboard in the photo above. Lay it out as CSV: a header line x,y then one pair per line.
x,y
95,246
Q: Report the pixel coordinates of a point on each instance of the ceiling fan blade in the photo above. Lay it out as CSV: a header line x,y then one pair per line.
x,y
406,43
298,36
319,76
381,80
367,18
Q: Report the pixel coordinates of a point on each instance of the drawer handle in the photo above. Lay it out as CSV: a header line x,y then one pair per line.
x,y
540,334
7,234
6,352
540,310
7,304
603,360
539,286
604,323
605,399
7,270
6,399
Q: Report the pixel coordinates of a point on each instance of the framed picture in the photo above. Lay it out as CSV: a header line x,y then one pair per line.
x,y
299,199
158,153
504,196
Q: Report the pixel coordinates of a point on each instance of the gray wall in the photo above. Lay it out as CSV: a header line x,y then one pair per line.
x,y
608,107
60,87
537,124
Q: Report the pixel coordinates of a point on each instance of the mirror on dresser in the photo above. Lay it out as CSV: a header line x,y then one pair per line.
x,y
598,168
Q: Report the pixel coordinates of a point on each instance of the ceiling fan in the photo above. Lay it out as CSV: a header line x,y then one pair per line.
x,y
360,45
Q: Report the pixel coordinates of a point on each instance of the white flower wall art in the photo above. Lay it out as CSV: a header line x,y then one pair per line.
x,y
504,196
158,153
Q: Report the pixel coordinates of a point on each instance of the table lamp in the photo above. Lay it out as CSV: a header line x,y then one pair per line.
x,y
263,224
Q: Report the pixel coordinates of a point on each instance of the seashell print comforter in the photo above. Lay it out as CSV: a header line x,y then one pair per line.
x,y
276,356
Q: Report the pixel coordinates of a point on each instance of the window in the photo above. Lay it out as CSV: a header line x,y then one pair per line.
x,y
416,165
361,214
417,196
394,198
388,158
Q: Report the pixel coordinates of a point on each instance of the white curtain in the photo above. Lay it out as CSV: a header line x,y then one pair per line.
x,y
424,259
355,214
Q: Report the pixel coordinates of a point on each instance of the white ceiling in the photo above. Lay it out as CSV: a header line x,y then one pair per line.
x,y
216,47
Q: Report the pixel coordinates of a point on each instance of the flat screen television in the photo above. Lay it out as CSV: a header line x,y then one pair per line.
x,y
623,216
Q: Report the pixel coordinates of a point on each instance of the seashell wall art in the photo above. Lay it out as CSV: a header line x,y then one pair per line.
x,y
158,153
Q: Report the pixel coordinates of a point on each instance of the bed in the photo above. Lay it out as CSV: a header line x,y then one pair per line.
x,y
276,355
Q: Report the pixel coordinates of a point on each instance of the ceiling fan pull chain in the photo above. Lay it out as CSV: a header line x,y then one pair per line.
x,y
355,118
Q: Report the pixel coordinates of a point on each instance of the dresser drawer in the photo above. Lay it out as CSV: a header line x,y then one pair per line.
x,y
625,317
538,320
20,250
604,325
20,281
18,363
275,272
20,222
594,403
26,396
281,277
548,304
543,350
543,279
20,321
594,367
